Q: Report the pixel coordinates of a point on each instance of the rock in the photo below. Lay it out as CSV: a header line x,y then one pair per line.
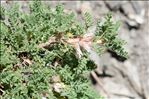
x,y
137,8
58,87
84,7
99,9
24,7
139,19
43,98
127,9
114,6
134,13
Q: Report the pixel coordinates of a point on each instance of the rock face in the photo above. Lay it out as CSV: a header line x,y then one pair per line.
x,y
116,79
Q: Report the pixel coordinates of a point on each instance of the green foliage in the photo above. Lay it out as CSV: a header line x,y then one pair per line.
x,y
107,31
88,20
27,70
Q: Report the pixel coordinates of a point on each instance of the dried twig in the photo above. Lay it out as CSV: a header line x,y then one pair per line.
x,y
46,44
103,91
